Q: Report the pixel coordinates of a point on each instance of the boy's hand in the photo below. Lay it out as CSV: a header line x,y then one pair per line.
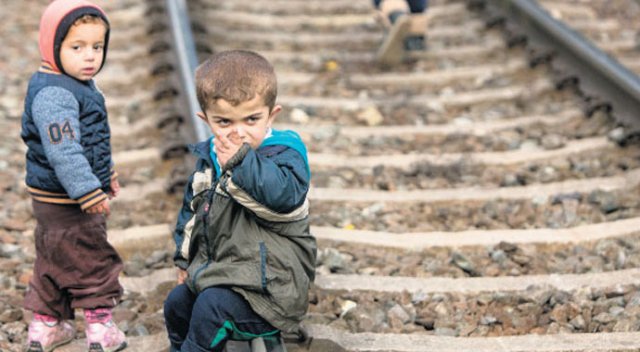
x,y
227,146
100,208
182,275
115,188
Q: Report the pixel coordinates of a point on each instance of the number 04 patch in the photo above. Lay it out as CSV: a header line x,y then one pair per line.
x,y
57,133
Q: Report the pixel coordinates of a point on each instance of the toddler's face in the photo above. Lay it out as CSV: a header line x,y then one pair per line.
x,y
81,52
247,122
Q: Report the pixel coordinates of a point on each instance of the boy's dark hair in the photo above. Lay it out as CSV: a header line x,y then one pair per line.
x,y
235,76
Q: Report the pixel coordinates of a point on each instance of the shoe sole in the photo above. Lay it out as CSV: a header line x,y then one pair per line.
x,y
96,347
36,346
391,51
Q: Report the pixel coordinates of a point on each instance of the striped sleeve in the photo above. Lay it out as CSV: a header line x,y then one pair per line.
x,y
91,199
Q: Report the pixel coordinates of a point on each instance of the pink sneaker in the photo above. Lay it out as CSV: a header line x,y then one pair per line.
x,y
105,337
46,336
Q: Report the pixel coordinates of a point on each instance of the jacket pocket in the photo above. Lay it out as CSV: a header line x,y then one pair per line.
x,y
286,286
288,291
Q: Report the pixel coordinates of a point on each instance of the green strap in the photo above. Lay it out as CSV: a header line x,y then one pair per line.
x,y
231,330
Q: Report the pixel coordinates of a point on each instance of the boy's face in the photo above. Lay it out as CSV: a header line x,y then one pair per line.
x,y
247,122
81,52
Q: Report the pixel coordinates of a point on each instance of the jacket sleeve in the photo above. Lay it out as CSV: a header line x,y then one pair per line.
x,y
275,177
56,114
184,225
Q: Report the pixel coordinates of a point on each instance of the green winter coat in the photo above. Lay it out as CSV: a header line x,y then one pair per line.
x,y
266,256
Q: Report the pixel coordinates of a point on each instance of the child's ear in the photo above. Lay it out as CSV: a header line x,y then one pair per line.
x,y
202,116
274,112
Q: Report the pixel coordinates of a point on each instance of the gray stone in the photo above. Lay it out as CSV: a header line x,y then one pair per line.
x,y
139,330
397,312
498,256
607,201
617,134
10,315
542,296
346,306
507,247
15,330
334,260
445,332
553,141
634,300
366,319
510,180
8,250
521,259
466,329
125,326
442,309
438,297
540,200
578,322
371,116
559,297
488,320
530,308
559,198
530,145
603,318
419,297
462,262
615,301
627,325
616,291
615,311
547,174
156,257
484,299
570,211
299,116
134,268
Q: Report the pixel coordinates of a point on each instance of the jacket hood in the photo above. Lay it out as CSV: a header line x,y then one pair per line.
x,y
54,26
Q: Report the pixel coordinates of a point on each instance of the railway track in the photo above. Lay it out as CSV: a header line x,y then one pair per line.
x,y
461,201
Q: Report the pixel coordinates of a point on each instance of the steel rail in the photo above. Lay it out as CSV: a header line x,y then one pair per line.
x,y
187,61
602,79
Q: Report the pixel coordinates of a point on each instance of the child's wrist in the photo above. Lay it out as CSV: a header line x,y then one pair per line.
x,y
92,199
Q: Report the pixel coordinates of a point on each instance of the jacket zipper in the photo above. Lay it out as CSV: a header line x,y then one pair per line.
x,y
263,266
205,220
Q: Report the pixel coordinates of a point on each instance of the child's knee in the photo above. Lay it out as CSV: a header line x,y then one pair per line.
x,y
213,303
178,300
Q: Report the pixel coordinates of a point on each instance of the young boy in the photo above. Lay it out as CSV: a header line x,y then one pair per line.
x,y
244,253
70,177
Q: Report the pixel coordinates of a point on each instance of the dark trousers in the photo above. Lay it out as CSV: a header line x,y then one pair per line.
x,y
416,6
75,265
204,322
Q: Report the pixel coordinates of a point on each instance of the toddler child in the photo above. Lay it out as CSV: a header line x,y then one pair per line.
x,y
71,179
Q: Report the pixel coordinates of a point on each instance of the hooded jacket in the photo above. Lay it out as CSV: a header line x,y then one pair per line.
x,y
54,26
246,226
64,123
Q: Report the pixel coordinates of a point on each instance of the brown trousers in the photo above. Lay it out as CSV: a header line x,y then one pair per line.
x,y
75,265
